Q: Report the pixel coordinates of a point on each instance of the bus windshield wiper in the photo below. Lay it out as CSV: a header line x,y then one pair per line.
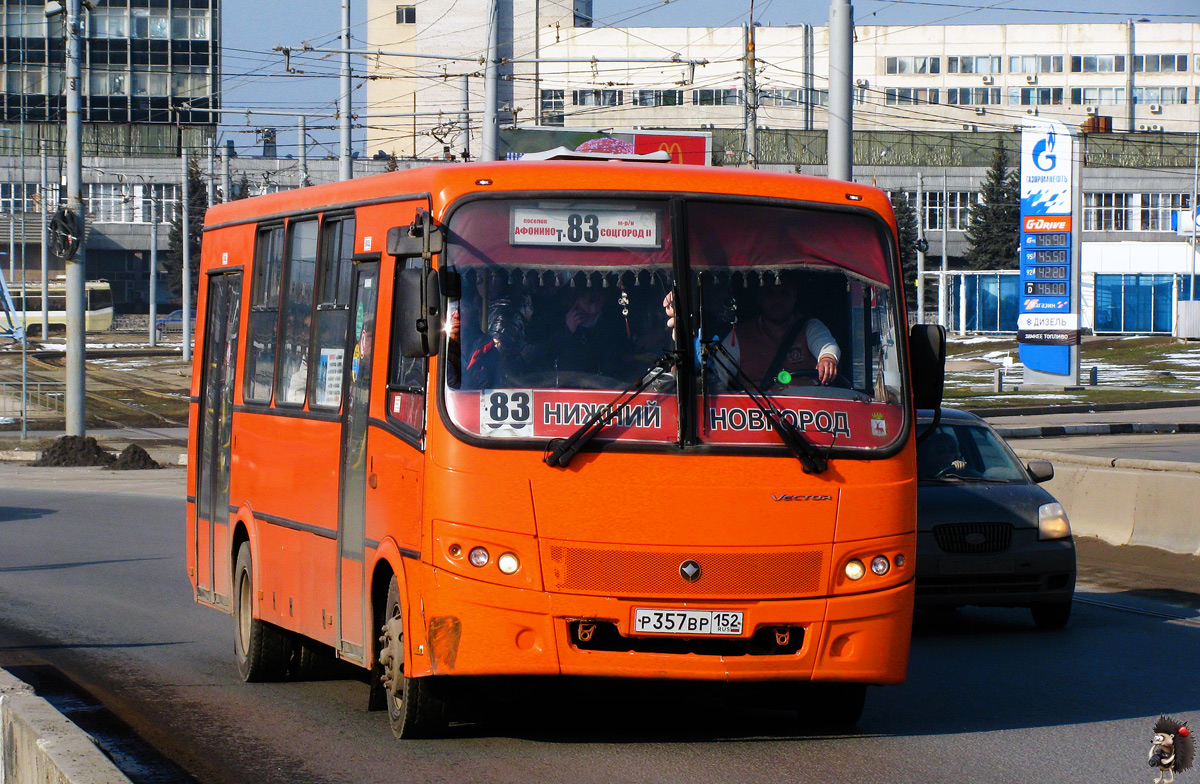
x,y
564,449
810,459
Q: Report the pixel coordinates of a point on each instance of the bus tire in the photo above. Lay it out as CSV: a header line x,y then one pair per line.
x,y
262,650
415,709
831,706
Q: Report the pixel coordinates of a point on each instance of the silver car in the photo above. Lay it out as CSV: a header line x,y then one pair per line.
x,y
987,534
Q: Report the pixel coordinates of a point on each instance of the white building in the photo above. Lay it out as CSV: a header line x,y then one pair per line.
x,y
945,78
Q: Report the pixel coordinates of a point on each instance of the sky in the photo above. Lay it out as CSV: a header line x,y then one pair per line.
x,y
254,75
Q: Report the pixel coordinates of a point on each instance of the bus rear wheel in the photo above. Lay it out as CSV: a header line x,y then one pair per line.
x,y
261,649
414,708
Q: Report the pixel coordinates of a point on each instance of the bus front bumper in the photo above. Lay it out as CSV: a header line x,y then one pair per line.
x,y
477,628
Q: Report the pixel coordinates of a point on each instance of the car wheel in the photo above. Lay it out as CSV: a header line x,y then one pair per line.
x,y
1053,615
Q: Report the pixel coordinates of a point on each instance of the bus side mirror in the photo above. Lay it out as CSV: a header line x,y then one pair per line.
x,y
419,239
418,312
927,351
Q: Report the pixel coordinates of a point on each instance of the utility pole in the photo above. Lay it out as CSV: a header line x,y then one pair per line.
x,y
186,234
841,83
751,85
212,171
345,162
943,294
45,246
466,117
76,378
921,246
226,176
491,87
154,267
304,181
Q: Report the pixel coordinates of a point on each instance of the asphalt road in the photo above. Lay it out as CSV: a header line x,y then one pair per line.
x,y
93,588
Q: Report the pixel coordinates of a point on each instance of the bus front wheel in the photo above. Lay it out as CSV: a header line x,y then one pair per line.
x,y
414,708
261,649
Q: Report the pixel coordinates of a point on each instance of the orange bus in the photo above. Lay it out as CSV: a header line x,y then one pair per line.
x,y
522,418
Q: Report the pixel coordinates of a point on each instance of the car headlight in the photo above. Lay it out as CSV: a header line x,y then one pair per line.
x,y
1052,522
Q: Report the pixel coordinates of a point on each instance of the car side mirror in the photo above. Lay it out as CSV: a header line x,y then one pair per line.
x,y
1041,470
927,353
418,321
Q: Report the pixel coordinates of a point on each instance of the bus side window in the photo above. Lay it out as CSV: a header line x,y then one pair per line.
x,y
264,315
333,312
406,375
300,272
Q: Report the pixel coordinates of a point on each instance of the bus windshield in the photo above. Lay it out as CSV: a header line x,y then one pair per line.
x,y
557,306
795,304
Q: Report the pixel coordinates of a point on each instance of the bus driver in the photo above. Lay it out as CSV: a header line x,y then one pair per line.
x,y
780,346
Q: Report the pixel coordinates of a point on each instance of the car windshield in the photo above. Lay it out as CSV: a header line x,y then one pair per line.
x,y
957,452
555,306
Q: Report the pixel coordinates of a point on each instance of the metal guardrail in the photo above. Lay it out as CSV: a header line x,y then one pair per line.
x,y
41,397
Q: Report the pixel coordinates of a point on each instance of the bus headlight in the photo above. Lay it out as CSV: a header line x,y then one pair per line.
x,y
880,565
1052,522
855,569
479,556
508,563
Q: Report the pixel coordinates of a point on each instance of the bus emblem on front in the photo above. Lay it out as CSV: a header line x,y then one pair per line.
x,y
690,571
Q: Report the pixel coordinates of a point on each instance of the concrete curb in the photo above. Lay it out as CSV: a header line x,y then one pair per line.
x,y
1121,501
41,746
1117,429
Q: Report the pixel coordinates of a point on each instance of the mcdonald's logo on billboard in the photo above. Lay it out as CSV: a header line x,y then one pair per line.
x,y
691,148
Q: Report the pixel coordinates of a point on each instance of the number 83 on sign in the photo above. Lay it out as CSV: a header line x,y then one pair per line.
x,y
506,413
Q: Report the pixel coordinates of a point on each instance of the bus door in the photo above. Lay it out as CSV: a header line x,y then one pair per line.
x,y
352,501
216,430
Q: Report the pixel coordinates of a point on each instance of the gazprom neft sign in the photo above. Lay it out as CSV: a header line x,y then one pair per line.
x,y
1048,320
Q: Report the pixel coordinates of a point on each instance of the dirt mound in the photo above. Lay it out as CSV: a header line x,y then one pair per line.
x,y
134,458
75,451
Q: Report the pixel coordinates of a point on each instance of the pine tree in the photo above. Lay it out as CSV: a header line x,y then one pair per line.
x,y
173,260
994,232
242,191
906,222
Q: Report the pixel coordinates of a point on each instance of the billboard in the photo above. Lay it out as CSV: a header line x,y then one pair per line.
x,y
1048,315
690,147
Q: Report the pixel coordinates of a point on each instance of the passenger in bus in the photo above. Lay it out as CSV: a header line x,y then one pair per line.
x,y
781,346
586,339
507,355
466,326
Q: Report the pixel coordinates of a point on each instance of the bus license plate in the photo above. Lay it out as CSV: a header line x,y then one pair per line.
x,y
654,621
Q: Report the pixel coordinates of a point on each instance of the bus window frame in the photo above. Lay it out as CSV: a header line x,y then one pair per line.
x,y
404,431
285,282
341,216
685,388
259,272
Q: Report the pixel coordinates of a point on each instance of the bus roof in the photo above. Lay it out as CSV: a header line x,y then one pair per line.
x,y
445,182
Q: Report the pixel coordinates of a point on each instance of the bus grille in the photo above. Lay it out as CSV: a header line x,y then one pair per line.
x,y
973,538
640,573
